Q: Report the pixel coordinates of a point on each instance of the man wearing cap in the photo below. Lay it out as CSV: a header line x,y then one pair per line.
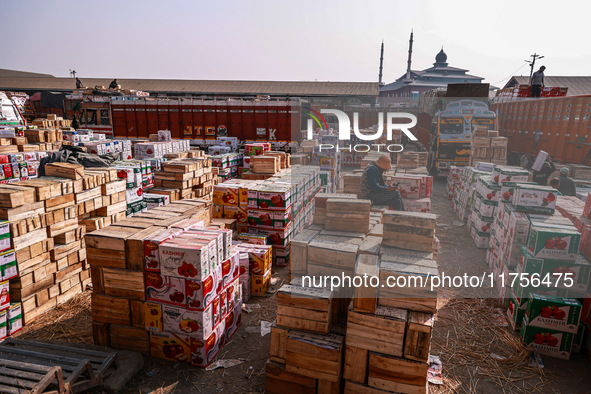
x,y
567,185
374,188
537,82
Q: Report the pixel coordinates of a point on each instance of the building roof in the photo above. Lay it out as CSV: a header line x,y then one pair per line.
x,y
21,74
218,87
577,86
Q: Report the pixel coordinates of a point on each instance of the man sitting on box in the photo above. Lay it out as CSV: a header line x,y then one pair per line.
x,y
374,188
567,185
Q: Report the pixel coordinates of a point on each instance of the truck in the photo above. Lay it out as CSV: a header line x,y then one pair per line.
x,y
446,120
9,113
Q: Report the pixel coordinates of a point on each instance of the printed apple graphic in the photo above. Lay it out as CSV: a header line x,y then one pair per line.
x,y
539,338
551,340
558,314
546,311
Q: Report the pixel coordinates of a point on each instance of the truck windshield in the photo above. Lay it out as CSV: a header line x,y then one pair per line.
x,y
451,126
7,112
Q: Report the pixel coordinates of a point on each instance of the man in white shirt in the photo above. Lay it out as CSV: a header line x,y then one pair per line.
x,y
537,82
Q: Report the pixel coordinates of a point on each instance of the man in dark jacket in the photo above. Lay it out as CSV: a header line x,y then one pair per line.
x,y
541,177
78,83
113,84
567,185
374,188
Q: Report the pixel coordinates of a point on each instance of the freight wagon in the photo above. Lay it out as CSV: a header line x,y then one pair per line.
x,y
190,118
557,125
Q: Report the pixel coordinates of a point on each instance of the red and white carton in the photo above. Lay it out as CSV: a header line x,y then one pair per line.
x,y
408,186
419,205
186,258
230,269
202,293
203,351
195,324
4,298
166,289
151,245
233,320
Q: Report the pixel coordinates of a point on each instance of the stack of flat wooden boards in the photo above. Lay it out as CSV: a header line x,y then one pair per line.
x,y
347,215
265,164
305,356
409,230
187,177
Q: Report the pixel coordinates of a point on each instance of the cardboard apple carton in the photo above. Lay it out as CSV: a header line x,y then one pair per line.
x,y
535,199
562,314
502,174
15,318
217,253
4,297
230,269
481,238
516,312
225,195
570,275
255,239
4,235
260,218
8,268
255,149
225,236
233,320
194,324
170,347
201,293
408,186
153,316
274,197
488,189
234,293
151,246
281,219
508,189
417,205
3,324
579,339
260,284
546,341
244,265
559,243
203,351
484,206
186,258
281,256
481,222
276,237
259,256
245,284
169,290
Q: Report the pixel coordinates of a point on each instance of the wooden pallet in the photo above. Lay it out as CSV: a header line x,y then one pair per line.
x,y
40,367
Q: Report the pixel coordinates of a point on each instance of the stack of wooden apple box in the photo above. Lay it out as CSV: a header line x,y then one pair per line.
x,y
384,344
389,328
116,258
47,236
184,178
488,147
267,165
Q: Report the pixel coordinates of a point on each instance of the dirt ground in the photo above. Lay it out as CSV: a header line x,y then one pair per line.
x,y
466,334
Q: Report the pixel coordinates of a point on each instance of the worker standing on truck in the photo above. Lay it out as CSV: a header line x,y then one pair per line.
x,y
78,83
567,185
537,82
374,188
114,84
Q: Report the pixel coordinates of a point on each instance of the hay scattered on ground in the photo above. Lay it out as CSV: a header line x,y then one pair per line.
x,y
69,322
476,350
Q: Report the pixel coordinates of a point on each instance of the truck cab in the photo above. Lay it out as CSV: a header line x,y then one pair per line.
x,y
451,133
9,114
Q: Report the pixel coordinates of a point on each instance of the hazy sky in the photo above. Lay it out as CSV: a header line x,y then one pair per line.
x,y
290,40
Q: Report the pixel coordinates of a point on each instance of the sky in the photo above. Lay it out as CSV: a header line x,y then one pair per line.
x,y
324,40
